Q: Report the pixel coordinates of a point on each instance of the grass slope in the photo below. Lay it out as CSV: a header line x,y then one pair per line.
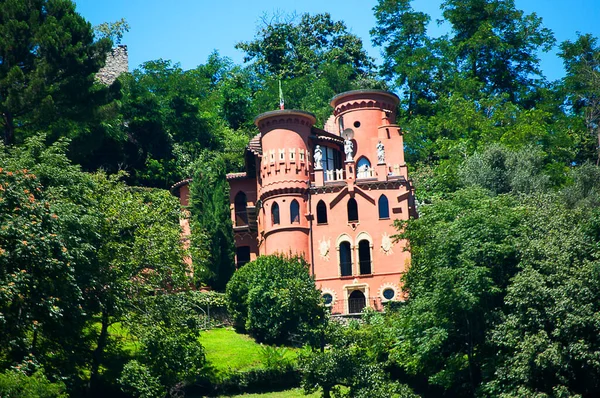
x,y
295,393
227,350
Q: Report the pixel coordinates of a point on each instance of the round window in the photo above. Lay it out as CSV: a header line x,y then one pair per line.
x,y
389,294
357,124
327,298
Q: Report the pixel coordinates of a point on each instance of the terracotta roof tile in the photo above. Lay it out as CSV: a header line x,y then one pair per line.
x,y
235,176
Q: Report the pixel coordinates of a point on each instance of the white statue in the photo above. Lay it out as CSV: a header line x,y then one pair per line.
x,y
380,153
348,149
318,157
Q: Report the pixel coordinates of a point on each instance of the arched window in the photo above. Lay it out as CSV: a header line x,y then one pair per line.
x,y
241,215
321,212
275,214
345,259
352,210
356,302
384,207
294,212
364,256
362,168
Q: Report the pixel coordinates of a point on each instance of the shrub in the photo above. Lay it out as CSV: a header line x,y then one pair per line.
x,y
274,298
19,385
137,381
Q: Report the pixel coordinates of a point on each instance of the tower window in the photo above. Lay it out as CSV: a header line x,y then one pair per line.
x,y
364,256
345,259
352,210
384,207
241,214
321,212
275,214
294,212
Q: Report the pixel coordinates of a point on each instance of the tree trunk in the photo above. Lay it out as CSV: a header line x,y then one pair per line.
x,y
9,128
99,352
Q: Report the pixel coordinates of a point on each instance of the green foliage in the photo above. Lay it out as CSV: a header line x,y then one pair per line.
x,y
15,384
137,381
274,298
288,49
500,170
112,30
314,57
168,328
275,358
547,338
497,44
49,59
77,245
582,82
411,59
463,257
212,230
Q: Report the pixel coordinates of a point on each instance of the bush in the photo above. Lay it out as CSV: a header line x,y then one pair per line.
x,y
274,298
15,384
137,381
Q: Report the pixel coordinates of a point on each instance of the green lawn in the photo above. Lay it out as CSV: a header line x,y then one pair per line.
x,y
295,393
227,350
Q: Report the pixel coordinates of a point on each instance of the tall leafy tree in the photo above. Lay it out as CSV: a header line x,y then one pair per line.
x,y
496,44
212,230
582,83
288,49
463,257
314,56
48,58
411,59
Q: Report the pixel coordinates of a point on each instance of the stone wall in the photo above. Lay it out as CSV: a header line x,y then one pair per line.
x,y
117,62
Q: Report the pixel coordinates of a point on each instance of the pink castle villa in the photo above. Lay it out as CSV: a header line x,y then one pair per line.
x,y
330,195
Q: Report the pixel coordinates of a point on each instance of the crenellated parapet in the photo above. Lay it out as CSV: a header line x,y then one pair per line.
x,y
379,100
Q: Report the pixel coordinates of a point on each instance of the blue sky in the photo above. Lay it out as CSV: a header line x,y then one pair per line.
x,y
187,31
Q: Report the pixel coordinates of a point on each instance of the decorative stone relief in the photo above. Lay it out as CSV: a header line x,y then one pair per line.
x,y
324,248
386,244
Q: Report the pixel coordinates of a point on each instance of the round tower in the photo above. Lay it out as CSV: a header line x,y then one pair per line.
x,y
371,115
284,179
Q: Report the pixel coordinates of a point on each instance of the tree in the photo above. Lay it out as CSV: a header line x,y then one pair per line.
x,y
497,45
582,82
463,257
547,339
314,57
501,170
112,30
212,230
168,328
410,57
80,249
274,298
48,59
286,49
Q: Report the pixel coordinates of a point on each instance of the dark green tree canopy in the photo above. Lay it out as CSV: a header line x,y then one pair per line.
x,y
289,48
48,58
